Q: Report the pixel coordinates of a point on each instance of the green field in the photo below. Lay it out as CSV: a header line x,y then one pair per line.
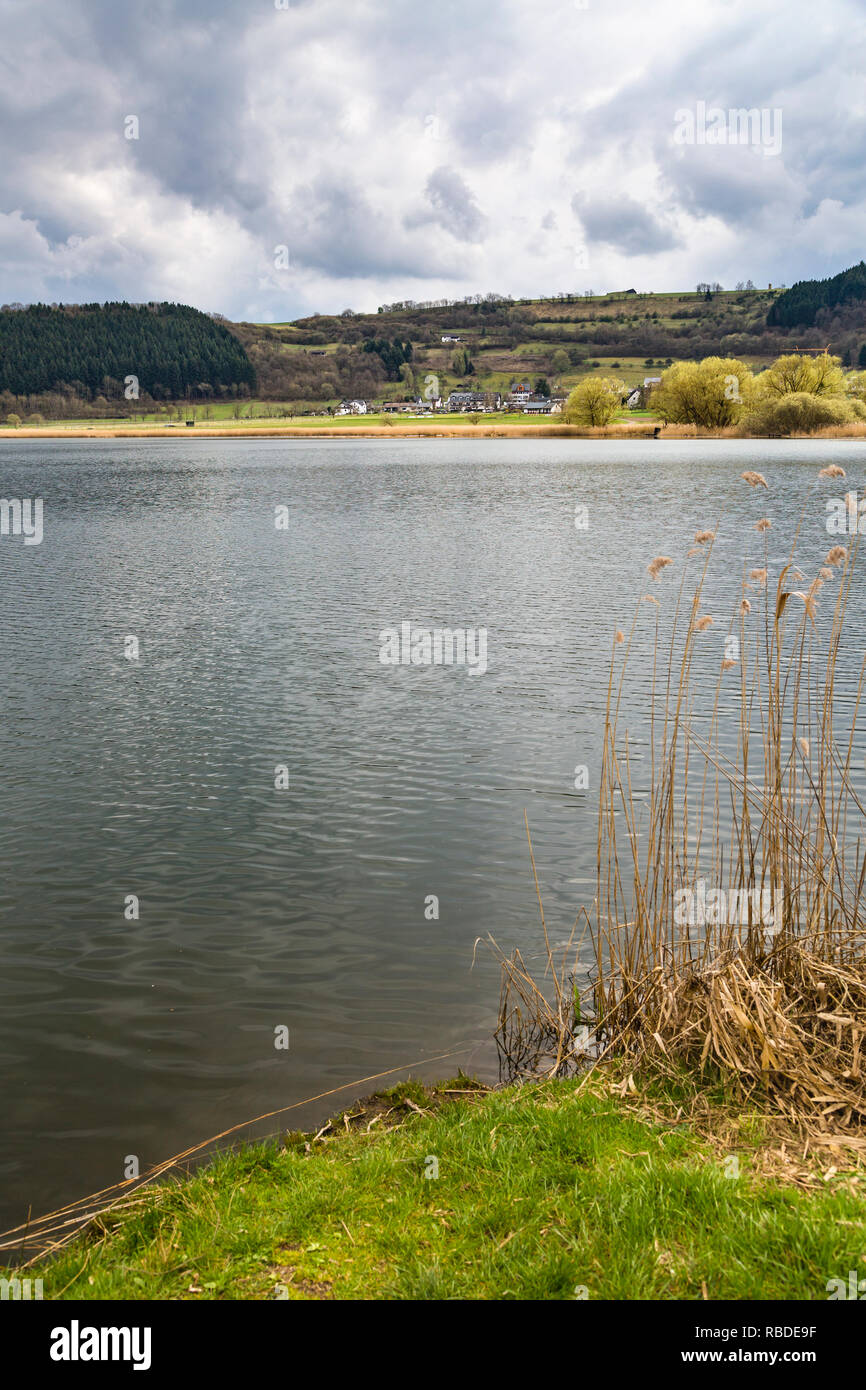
x,y
222,417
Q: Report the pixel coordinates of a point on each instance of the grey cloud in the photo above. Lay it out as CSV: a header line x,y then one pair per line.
x,y
623,223
732,183
487,124
451,205
333,228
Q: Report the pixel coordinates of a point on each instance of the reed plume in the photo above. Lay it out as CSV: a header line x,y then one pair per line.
x,y
752,789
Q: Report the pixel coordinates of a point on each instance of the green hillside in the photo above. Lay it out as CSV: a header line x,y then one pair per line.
x,y
559,340
68,362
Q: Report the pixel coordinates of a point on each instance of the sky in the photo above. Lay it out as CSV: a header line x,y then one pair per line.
x,y
267,159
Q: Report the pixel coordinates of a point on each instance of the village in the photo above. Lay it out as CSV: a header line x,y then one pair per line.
x,y
521,399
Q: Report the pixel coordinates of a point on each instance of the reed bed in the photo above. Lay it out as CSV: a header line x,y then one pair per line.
x,y
727,929
488,427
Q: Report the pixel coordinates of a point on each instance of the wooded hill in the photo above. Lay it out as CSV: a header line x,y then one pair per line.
x,y
90,350
820,301
74,360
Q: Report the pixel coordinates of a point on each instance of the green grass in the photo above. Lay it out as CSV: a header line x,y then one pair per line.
x,y
223,419
542,1192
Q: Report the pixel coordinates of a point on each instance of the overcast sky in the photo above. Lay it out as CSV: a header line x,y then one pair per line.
x,y
400,150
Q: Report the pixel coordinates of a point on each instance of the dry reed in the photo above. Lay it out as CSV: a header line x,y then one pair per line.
x,y
752,790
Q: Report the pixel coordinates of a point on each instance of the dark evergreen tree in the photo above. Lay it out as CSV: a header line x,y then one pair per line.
x,y
392,355
168,348
801,304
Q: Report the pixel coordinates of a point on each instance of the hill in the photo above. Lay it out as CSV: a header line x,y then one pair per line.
x,y
68,362
820,302
323,357
89,350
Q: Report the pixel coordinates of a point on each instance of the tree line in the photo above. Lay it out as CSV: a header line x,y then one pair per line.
x,y
797,394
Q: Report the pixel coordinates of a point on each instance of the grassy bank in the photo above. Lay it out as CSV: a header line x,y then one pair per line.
x,y
554,1190
487,428
420,429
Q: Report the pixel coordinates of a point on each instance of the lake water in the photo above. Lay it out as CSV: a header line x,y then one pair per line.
x,y
304,907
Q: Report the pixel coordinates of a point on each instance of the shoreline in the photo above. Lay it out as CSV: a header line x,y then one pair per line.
x,y
419,431
477,1178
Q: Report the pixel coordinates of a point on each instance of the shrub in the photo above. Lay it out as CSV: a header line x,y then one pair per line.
x,y
800,412
855,385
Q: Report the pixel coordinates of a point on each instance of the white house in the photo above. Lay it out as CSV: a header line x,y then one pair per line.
x,y
520,394
351,408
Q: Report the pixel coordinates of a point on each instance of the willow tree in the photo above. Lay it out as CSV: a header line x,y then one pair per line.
x,y
594,401
796,371
712,394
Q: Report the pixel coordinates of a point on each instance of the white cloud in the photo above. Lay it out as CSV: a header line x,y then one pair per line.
x,y
400,153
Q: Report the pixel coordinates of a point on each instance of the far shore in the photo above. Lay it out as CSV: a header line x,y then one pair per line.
x,y
406,430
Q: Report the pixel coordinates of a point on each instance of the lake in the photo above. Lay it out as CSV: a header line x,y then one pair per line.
x,y
167,901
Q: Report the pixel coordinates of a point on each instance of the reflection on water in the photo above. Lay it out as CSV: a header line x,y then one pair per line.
x,y
259,647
